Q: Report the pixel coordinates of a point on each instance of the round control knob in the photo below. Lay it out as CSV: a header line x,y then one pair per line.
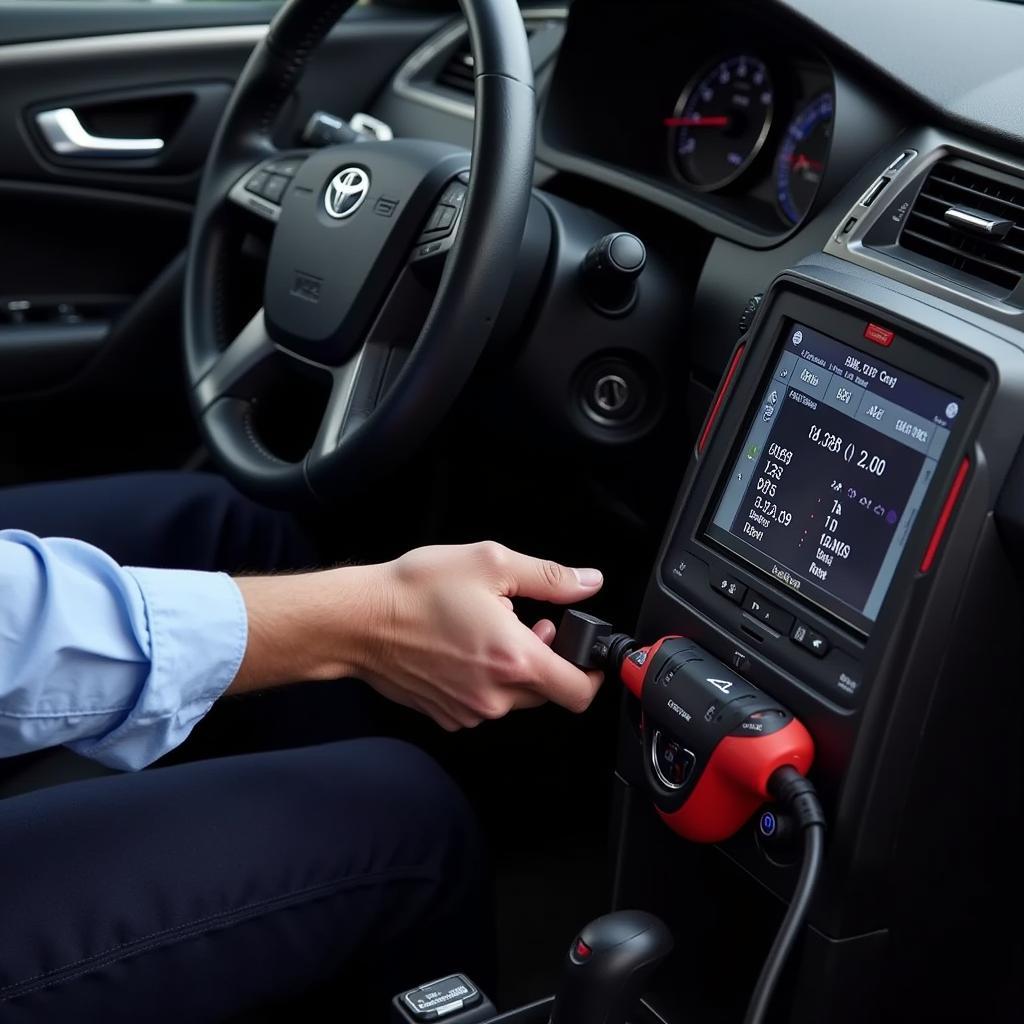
x,y
610,270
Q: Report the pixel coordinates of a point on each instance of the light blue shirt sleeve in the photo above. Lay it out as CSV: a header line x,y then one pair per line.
x,y
117,663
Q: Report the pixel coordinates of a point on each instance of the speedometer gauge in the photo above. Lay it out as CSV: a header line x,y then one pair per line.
x,y
721,121
802,155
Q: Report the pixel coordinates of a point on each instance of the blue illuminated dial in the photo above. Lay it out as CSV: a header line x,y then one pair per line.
x,y
721,121
801,161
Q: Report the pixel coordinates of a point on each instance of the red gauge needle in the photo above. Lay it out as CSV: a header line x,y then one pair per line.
x,y
697,122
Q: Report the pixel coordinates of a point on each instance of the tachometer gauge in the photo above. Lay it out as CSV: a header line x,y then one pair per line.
x,y
721,121
802,155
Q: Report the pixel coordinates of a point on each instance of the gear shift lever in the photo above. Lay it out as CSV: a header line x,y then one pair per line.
x,y
607,967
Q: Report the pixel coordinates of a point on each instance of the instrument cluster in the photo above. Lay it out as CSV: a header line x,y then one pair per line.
x,y
738,123
720,113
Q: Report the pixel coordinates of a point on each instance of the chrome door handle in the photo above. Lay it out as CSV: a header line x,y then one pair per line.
x,y
67,136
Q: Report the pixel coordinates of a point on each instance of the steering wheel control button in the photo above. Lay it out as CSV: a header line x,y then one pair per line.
x,y
289,167
274,188
454,195
673,764
257,182
346,192
442,218
809,640
729,587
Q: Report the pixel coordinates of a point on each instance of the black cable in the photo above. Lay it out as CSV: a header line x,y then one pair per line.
x,y
798,795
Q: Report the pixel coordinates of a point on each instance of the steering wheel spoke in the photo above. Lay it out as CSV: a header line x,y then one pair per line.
x,y
358,387
261,190
242,366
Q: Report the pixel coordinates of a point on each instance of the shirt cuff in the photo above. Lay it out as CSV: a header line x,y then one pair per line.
x,y
198,629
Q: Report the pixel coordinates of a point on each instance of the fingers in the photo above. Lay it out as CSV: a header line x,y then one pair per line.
x,y
433,711
526,698
445,713
545,629
557,680
539,578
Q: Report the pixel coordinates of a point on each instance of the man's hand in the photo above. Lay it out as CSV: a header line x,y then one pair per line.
x,y
433,630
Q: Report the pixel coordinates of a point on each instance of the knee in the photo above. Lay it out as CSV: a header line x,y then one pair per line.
x,y
410,798
412,784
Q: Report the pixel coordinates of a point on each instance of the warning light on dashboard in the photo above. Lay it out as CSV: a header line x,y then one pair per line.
x,y
879,335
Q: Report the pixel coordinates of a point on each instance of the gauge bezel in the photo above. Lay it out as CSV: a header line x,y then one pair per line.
x,y
799,110
684,98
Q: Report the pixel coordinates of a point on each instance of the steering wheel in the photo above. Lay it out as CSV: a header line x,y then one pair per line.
x,y
353,223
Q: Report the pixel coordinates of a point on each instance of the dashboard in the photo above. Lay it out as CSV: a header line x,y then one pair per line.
x,y
720,110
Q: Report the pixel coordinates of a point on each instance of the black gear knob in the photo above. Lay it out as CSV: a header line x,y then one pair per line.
x,y
610,270
607,967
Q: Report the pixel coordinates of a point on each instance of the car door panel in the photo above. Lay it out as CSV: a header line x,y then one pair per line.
x,y
26,21
92,243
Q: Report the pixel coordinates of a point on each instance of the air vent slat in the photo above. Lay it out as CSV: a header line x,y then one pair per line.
x,y
963,254
953,192
997,261
941,231
459,70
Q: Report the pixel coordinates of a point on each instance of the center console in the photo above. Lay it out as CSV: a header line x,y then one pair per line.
x,y
820,491
835,542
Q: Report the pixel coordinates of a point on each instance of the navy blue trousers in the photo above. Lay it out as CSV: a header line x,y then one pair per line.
x,y
248,887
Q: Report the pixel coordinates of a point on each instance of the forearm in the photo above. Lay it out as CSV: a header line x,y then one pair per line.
x,y
312,626
434,630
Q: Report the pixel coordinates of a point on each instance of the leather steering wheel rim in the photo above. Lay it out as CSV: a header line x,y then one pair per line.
x,y
473,285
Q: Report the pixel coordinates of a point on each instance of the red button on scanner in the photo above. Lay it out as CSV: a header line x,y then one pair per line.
x,y
879,335
582,949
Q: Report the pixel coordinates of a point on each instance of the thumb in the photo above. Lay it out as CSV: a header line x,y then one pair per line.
x,y
544,580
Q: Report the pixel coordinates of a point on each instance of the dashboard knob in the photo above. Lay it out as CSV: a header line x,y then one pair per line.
x,y
610,270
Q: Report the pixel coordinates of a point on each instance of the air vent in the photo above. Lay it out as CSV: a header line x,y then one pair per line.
x,y
986,239
457,72
459,69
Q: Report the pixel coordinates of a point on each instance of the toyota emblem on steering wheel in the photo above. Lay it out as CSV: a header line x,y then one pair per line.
x,y
346,192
